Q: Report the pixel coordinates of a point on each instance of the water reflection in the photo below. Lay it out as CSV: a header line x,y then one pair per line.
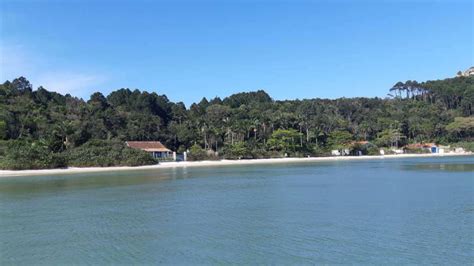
x,y
68,182
451,167
36,184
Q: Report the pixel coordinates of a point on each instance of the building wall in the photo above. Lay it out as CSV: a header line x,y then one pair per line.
x,y
158,154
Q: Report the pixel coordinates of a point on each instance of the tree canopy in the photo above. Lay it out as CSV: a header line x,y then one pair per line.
x,y
247,124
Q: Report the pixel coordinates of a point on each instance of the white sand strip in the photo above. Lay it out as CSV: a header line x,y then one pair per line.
x,y
164,165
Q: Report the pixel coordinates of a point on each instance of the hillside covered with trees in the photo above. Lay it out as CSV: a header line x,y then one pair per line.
x,y
43,129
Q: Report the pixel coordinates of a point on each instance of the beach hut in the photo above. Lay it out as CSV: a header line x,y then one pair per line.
x,y
426,147
155,148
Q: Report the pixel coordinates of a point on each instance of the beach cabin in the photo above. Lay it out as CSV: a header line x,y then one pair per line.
x,y
155,148
427,147
444,149
342,152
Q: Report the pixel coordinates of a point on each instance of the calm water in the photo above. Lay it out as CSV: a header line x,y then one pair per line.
x,y
382,211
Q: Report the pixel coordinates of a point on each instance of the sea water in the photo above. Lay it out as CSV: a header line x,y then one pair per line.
x,y
390,211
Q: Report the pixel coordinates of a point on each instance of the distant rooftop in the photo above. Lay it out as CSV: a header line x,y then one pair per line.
x,y
152,146
420,145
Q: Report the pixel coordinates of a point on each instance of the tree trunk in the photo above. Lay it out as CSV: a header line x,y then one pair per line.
x,y
301,138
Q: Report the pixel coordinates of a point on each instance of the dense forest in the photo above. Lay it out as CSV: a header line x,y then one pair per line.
x,y
44,129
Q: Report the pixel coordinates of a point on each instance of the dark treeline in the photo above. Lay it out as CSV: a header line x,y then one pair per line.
x,y
46,129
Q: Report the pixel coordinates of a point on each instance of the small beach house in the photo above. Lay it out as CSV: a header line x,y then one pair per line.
x,y
155,148
426,147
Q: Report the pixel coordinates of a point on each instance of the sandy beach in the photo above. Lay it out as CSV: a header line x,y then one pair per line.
x,y
165,165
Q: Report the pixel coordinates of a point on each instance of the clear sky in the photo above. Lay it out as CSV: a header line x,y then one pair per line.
x,y
191,49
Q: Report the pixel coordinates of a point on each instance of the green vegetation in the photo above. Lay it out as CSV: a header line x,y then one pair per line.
x,y
283,140
466,145
236,151
388,137
462,126
107,153
339,139
19,155
196,153
43,129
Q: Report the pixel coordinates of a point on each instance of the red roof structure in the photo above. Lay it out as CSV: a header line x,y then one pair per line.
x,y
420,145
151,146
361,142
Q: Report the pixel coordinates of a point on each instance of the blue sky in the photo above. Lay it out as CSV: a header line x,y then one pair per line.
x,y
193,49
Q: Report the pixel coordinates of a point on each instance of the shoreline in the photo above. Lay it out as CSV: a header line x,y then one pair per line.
x,y
167,165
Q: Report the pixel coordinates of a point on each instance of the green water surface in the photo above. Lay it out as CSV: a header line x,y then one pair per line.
x,y
401,211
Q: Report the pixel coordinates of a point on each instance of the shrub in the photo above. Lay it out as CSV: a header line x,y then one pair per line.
x,y
237,151
107,153
283,140
20,155
373,151
262,153
416,150
466,145
196,153
316,151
